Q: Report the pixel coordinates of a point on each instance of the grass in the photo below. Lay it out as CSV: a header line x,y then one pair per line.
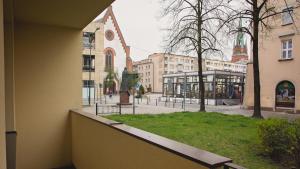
x,y
231,136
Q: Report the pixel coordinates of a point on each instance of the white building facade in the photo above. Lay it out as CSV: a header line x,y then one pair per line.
x,y
225,66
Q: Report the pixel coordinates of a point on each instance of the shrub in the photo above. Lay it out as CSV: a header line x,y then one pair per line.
x,y
278,138
297,149
142,90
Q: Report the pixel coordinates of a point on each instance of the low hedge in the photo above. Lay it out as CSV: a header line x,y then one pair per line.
x,y
280,139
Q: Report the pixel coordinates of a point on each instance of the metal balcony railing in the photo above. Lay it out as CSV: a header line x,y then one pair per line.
x,y
88,68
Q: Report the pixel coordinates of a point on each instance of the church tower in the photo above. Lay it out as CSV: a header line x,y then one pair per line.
x,y
240,51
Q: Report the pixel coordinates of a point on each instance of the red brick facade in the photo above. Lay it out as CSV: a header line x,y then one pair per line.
x,y
239,54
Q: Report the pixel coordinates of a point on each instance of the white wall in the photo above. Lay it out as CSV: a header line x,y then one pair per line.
x,y
120,58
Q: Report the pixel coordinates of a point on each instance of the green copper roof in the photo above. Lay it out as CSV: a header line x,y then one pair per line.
x,y
240,39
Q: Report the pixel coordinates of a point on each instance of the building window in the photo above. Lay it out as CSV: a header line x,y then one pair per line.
x,y
109,35
88,83
109,60
88,40
287,49
88,63
287,16
285,94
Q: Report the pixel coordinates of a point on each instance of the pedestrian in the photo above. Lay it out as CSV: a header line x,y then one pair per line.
x,y
110,94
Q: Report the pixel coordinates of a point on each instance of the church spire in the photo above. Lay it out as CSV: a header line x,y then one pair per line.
x,y
240,38
240,44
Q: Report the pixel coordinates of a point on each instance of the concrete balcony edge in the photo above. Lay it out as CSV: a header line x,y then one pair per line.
x,y
202,157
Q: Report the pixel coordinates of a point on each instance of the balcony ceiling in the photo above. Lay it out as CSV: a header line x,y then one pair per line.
x,y
66,13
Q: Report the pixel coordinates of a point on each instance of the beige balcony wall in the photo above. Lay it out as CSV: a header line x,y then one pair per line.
x,y
2,96
47,84
9,65
96,145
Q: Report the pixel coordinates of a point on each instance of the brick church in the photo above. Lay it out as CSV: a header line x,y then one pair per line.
x,y
240,50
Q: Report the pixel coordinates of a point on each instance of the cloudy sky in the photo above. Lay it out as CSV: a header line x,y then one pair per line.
x,y
142,26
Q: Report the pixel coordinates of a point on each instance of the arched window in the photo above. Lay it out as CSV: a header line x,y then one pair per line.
x,y
285,94
109,65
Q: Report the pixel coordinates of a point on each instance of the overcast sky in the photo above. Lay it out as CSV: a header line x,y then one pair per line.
x,y
141,25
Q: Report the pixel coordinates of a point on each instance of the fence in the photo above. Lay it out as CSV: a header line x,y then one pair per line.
x,y
103,109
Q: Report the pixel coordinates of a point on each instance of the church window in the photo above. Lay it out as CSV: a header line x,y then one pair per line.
x,y
109,35
287,49
109,60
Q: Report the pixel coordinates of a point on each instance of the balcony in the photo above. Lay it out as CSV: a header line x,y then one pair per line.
x,y
101,143
41,80
87,68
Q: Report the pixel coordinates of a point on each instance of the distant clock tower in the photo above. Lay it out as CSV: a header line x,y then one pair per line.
x,y
240,50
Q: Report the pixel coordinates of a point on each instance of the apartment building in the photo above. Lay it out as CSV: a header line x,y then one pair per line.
x,y
42,125
225,66
279,60
152,69
145,69
104,50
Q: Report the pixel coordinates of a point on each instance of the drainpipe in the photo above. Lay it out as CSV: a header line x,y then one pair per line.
x,y
152,75
184,86
90,63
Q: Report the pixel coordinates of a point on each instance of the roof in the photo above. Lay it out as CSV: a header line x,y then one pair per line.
x,y
66,13
110,13
171,54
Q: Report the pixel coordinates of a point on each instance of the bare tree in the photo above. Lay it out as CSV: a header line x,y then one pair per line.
x,y
259,14
194,28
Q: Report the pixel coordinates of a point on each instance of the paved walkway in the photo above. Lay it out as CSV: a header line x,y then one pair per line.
x,y
155,107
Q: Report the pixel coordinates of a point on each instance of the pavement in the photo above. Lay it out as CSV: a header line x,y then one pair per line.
x,y
152,105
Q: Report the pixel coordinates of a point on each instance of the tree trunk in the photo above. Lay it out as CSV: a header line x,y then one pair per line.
x,y
256,76
201,83
199,52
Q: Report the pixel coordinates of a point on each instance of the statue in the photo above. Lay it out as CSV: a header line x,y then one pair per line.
x,y
125,81
124,88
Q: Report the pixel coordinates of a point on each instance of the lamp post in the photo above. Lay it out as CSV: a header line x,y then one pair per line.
x,y
90,63
100,86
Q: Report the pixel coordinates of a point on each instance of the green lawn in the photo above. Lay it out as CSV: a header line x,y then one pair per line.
x,y
231,136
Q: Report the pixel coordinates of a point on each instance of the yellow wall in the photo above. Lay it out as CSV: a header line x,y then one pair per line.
x,y
47,84
249,94
9,65
96,146
2,101
99,74
272,69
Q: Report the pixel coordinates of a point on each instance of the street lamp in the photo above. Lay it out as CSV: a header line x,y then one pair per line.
x,y
90,62
100,91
